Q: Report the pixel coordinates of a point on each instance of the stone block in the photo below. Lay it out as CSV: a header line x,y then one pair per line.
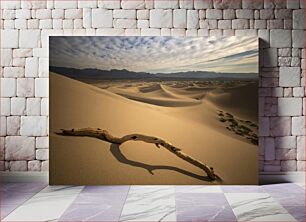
x,y
58,13
298,92
289,107
8,87
240,24
293,4
33,106
23,14
269,149
285,142
264,126
280,38
25,87
299,19
42,154
150,32
298,38
203,4
109,4
245,14
45,165
136,4
301,148
34,126
166,4
66,4
87,4
13,72
6,57
8,14
252,4
289,76
224,24
283,13
13,125
229,14
34,165
2,133
285,154
214,14
298,125
20,148
186,4
41,87
29,38
123,13
5,106
18,166
288,165
142,24
102,18
44,106
18,106
31,67
73,13
284,52
110,32
271,168
125,23
227,4
160,18
246,32
192,19
143,14
10,5
179,18
280,126
301,166
42,142
9,38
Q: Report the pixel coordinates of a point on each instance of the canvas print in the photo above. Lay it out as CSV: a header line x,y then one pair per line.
x,y
153,110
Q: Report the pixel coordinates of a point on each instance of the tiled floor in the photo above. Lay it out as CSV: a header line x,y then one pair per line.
x,y
39,202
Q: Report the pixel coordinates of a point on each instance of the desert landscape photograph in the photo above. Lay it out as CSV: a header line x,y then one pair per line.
x,y
153,110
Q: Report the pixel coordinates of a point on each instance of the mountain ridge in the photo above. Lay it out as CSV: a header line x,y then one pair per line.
x,y
114,74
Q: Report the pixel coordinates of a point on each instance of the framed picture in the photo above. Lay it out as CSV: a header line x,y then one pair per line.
x,y
153,110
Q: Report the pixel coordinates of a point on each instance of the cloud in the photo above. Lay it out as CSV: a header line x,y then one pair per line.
x,y
156,54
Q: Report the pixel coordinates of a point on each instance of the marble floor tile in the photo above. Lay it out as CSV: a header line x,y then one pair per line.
x,y
6,210
298,212
9,198
203,207
97,203
149,203
95,207
257,207
22,187
289,199
283,188
242,189
47,205
198,189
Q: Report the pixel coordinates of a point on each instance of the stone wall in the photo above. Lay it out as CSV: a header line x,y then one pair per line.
x,y
26,26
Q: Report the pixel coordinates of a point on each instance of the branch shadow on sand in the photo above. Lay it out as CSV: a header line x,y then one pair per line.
x,y
116,152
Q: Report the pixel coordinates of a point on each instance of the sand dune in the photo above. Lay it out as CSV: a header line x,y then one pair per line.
x,y
187,118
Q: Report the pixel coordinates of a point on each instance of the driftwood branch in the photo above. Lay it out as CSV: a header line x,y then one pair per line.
x,y
106,136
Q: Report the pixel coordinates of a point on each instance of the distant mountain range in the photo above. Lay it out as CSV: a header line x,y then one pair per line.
x,y
96,74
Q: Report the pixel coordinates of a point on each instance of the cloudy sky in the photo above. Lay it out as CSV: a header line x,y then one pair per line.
x,y
156,54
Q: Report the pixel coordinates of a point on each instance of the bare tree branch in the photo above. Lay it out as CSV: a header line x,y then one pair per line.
x,y
106,136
